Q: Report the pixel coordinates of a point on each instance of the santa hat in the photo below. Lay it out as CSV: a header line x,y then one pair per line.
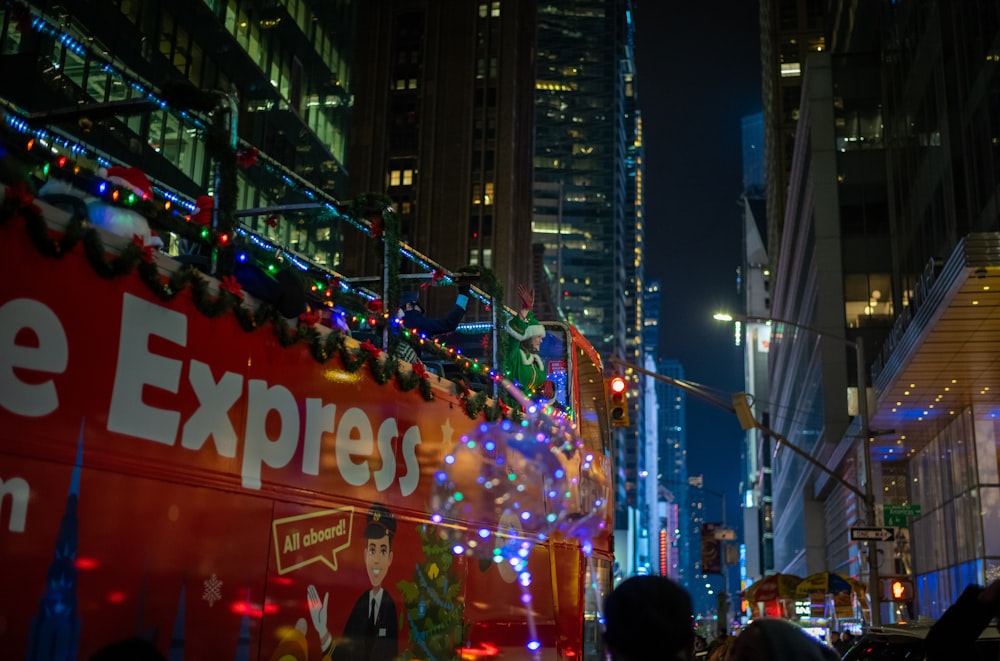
x,y
522,329
203,210
133,179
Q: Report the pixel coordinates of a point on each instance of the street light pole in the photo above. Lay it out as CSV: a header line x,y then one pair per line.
x,y
866,457
741,409
722,612
867,495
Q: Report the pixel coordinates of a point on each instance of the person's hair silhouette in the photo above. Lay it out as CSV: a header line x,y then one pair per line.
x,y
649,617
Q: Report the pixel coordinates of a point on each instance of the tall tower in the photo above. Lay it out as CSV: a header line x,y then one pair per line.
x,y
587,187
755,338
790,31
443,125
584,75
672,469
897,205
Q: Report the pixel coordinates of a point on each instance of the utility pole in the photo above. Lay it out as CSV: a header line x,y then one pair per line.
x,y
740,407
723,598
867,496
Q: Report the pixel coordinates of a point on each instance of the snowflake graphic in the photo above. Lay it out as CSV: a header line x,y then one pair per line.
x,y
213,590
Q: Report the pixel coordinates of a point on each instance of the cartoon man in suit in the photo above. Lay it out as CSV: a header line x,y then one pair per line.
x,y
372,628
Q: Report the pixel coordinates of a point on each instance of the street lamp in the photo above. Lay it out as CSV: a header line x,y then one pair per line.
x,y
747,421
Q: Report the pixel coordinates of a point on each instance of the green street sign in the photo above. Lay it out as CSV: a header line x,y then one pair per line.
x,y
899,515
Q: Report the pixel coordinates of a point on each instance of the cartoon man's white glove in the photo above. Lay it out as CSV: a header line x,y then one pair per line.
x,y
317,610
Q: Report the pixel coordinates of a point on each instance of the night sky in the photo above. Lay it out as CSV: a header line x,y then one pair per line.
x,y
698,76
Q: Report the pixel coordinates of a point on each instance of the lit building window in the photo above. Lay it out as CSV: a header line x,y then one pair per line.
x,y
492,9
791,69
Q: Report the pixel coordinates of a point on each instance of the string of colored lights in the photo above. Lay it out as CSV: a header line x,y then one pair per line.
x,y
524,475
112,194
145,90
133,81
18,121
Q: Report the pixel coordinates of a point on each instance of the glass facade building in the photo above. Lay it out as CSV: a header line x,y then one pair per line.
x,y
672,471
588,198
890,257
285,68
583,80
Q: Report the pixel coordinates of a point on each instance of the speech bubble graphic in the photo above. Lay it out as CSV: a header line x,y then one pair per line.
x,y
308,538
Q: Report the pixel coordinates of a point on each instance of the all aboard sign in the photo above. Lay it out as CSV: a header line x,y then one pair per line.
x,y
168,476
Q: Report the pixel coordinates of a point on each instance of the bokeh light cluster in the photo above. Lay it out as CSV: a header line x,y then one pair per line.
x,y
509,485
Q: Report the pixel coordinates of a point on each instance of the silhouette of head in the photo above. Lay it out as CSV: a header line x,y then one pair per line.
x,y
649,617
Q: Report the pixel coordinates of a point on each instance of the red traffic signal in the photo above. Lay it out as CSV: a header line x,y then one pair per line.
x,y
897,588
617,394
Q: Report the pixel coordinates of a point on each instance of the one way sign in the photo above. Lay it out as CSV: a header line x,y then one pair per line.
x,y
873,534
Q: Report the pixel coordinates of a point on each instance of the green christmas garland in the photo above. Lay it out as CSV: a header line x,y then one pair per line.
x,y
376,209
19,203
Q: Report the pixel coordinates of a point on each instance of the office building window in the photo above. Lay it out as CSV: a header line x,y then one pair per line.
x,y
489,9
867,296
401,177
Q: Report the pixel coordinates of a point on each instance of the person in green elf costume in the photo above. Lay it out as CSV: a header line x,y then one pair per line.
x,y
522,364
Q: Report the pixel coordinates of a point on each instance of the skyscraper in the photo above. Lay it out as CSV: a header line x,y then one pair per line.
x,y
588,176
672,469
756,336
583,78
444,110
892,193
789,32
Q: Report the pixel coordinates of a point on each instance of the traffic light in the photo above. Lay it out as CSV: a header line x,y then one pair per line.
x,y
618,394
897,588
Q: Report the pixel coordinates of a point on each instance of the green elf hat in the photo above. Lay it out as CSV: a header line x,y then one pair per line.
x,y
522,329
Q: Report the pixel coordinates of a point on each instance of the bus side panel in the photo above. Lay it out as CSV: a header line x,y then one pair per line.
x,y
567,567
506,611
156,463
179,394
105,556
326,549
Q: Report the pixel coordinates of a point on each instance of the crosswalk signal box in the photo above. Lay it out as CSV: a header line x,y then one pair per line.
x,y
897,588
618,397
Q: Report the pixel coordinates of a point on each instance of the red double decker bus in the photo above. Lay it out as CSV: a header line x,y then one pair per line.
x,y
220,491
